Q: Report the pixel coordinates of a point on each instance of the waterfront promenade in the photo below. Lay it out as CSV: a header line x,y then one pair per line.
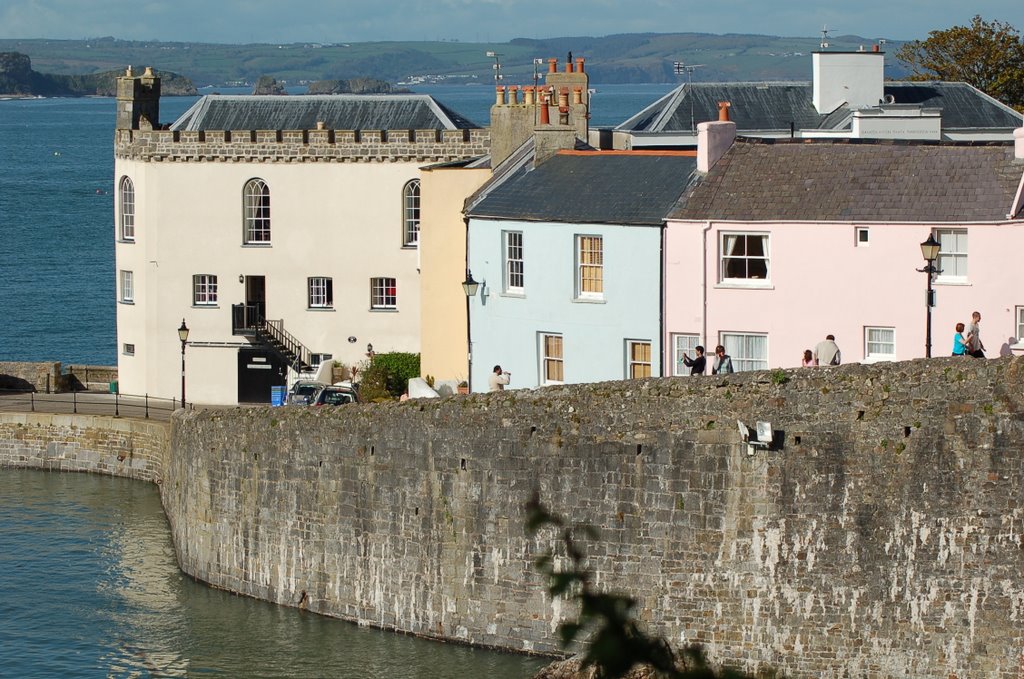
x,y
91,403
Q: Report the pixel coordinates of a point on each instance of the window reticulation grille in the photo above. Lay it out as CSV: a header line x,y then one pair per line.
x,y
383,293
257,211
590,253
127,199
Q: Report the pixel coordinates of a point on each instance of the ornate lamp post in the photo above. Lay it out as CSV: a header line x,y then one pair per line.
x,y
930,252
183,336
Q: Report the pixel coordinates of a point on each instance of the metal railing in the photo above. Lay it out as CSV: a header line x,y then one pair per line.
x,y
247,319
90,403
275,330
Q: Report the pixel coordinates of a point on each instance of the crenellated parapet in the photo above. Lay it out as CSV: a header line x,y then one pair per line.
x,y
301,146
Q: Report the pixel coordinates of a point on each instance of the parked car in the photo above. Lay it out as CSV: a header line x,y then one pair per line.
x,y
303,392
335,396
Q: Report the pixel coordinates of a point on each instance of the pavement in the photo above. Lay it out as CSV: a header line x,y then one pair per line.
x,y
90,403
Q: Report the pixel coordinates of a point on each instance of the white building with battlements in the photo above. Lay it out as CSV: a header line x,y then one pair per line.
x,y
283,231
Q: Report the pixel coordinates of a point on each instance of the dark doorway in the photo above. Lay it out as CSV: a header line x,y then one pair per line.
x,y
258,371
256,294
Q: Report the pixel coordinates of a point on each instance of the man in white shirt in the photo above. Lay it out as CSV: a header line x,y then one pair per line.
x,y
827,352
498,379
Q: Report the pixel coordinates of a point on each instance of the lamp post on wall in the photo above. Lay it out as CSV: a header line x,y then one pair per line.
x,y
469,286
930,252
183,336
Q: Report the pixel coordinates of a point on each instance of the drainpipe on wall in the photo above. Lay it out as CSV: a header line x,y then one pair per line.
x,y
469,335
704,286
661,304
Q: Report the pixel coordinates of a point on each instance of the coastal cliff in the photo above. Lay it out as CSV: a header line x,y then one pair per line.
x,y
18,79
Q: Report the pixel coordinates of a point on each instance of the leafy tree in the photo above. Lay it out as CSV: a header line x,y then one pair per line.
x,y
987,55
616,643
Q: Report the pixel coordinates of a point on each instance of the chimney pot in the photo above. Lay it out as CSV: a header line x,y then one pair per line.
x,y
875,48
553,65
499,95
723,111
579,64
545,115
577,95
148,72
568,67
528,95
513,94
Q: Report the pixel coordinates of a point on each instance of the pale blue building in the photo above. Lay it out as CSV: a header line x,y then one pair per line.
x,y
568,255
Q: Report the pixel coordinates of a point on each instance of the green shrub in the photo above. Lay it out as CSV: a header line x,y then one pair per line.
x,y
388,375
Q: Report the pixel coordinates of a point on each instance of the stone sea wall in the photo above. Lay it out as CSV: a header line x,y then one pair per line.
x,y
135,449
880,537
23,376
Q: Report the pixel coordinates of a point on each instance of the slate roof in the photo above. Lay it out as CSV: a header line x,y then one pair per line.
x,y
592,188
857,180
774,105
336,111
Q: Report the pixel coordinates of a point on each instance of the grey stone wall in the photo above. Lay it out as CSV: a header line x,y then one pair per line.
x,y
135,449
301,146
42,377
882,538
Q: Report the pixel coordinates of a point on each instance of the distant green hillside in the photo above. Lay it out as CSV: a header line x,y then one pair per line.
x,y
627,58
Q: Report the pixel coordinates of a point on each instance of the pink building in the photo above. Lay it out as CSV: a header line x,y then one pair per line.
x,y
786,241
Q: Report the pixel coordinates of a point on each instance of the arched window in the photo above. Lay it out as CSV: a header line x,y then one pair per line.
x,y
126,198
411,214
256,203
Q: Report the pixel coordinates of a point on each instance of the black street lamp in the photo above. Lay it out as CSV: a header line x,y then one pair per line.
x,y
469,286
930,252
183,336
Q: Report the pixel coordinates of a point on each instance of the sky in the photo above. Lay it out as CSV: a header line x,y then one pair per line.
x,y
481,21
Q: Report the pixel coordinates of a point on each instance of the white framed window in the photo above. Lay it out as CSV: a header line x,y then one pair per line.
x,y
683,343
589,267
748,350
411,214
383,293
952,262
204,289
1020,325
315,359
638,359
256,209
862,237
127,287
879,344
126,199
128,349
321,292
552,367
744,257
512,243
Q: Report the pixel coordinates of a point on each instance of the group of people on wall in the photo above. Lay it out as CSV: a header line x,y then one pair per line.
x,y
966,342
967,339
722,364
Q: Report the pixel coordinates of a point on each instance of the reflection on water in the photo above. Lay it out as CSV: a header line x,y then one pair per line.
x,y
90,588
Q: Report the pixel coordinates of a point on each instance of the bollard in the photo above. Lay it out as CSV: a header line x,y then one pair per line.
x,y
117,396
146,401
